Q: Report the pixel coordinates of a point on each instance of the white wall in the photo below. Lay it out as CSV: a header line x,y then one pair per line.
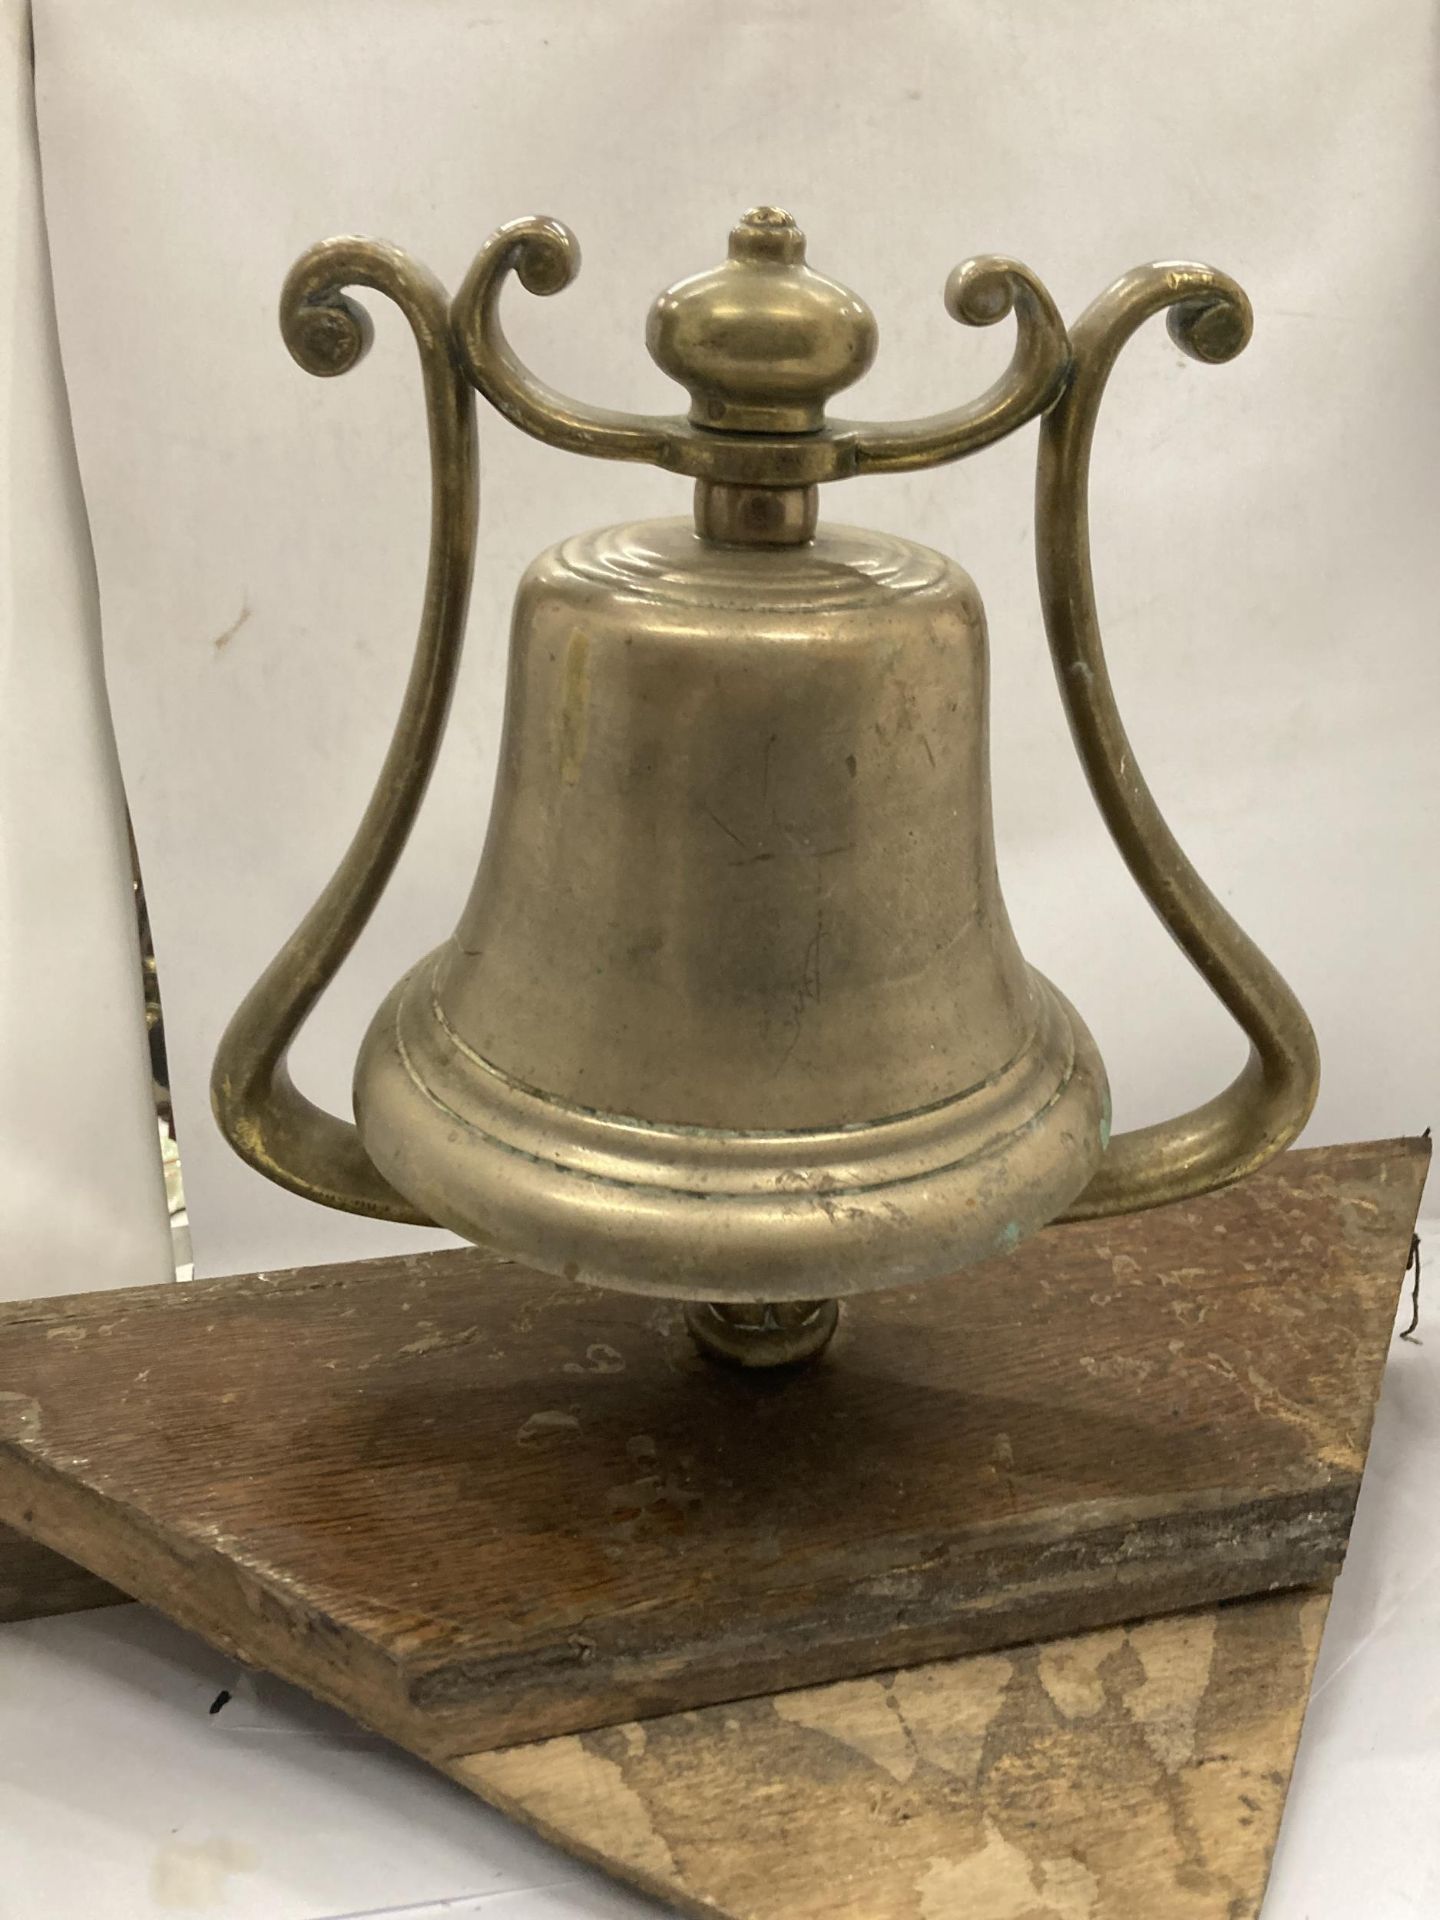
x,y
81,1200
1266,532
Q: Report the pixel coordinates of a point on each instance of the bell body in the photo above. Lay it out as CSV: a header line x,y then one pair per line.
x,y
734,1010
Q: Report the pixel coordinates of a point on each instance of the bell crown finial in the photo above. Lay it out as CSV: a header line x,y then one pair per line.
x,y
761,342
767,233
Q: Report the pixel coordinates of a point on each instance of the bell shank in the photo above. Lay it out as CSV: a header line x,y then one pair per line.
x,y
735,1009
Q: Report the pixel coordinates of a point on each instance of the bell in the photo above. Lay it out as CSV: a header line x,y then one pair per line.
x,y
734,1013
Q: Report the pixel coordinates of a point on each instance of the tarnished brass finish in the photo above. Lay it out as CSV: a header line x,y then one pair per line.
x,y
1264,1109
763,1333
734,1012
262,1113
735,1007
755,516
714,330
761,343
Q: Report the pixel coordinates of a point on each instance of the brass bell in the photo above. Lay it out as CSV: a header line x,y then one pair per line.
x,y
735,1013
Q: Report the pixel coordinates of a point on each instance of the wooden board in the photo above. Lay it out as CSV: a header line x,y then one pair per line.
x,y
473,1506
1133,1774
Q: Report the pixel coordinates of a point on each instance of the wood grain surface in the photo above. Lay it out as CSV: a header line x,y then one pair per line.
x,y
1133,1774
473,1506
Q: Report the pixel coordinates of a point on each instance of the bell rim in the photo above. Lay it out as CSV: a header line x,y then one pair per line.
x,y
718,1214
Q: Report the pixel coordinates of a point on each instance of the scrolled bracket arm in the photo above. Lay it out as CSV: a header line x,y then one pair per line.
x,y
1268,1103
979,293
266,1118
544,256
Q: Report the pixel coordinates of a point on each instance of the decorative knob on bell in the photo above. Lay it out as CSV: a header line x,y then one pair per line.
x,y
734,1012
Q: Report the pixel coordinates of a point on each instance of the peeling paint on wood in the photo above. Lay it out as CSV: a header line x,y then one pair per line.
x,y
1146,1784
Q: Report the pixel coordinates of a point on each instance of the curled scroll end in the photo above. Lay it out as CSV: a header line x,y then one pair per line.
x,y
327,333
1215,325
544,253
981,292
328,336
985,290
544,256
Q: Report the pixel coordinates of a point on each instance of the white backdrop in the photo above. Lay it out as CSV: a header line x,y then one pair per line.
x,y
81,1200
1265,532
1268,574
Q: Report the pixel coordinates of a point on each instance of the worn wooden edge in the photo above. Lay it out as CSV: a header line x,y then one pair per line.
x,y
1289,1540
252,1619
206,1591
